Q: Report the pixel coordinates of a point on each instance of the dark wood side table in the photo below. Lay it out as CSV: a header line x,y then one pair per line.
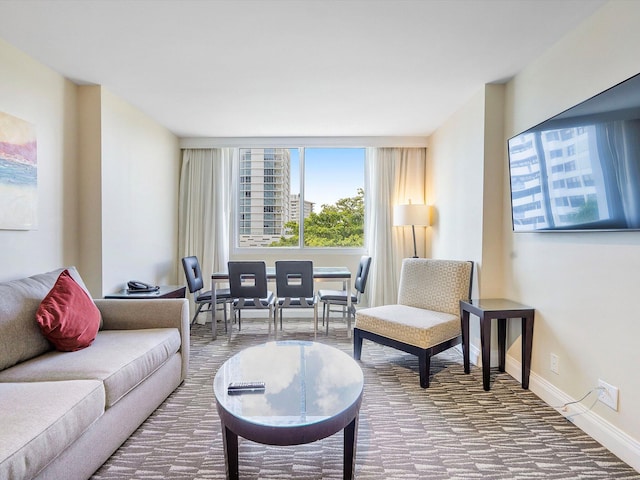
x,y
165,291
500,309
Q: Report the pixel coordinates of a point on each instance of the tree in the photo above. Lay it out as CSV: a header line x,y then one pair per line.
x,y
587,213
338,225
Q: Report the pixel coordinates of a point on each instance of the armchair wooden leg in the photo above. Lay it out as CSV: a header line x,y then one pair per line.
x,y
424,363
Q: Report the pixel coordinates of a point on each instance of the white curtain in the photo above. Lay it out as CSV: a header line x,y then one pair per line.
x,y
205,207
393,176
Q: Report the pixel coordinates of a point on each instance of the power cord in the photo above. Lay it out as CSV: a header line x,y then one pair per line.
x,y
563,408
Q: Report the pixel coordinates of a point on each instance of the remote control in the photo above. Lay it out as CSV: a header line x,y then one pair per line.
x,y
245,387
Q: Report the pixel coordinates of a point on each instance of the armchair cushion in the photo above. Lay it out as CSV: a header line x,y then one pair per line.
x,y
414,326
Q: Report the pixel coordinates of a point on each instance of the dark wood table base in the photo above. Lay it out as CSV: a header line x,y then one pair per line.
x,y
500,309
230,440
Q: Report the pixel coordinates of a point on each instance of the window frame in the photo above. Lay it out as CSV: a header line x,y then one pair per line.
x,y
236,249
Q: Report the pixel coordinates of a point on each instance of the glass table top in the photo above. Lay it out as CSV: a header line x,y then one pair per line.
x,y
305,383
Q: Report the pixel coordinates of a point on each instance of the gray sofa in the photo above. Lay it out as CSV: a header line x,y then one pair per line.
x,y
62,414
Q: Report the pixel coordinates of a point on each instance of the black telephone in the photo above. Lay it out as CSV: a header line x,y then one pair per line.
x,y
141,287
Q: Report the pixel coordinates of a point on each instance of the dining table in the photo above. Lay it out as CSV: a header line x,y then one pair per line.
x,y
320,274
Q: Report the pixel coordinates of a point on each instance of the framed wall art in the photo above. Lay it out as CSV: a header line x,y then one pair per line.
x,y
18,174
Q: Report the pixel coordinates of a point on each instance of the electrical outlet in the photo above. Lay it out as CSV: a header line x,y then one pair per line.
x,y
555,364
608,394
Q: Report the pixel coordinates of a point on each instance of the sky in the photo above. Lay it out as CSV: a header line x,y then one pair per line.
x,y
331,174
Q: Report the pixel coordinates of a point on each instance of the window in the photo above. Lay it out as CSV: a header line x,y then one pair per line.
x,y
573,182
301,197
577,201
566,134
552,135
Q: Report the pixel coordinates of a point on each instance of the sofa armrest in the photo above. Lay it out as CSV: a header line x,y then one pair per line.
x,y
120,314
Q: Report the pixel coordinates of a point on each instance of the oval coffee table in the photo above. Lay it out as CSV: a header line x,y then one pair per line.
x,y
311,392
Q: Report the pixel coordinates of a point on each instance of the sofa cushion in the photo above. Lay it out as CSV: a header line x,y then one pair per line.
x,y
67,316
39,420
414,326
20,336
120,358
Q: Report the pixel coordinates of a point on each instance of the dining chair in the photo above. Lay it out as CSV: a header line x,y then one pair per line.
x,y
339,297
248,289
195,283
295,288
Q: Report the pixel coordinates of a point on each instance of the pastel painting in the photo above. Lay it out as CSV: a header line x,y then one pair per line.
x,y
18,174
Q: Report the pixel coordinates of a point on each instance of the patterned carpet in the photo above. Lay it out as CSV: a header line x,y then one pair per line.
x,y
453,430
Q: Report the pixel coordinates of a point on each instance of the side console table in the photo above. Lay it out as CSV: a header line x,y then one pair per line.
x,y
500,309
165,291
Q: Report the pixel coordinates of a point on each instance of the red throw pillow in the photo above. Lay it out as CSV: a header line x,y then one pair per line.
x,y
67,316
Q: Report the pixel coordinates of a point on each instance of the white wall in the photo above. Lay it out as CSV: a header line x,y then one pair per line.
x,y
107,182
465,186
455,171
90,186
34,93
140,172
493,218
584,285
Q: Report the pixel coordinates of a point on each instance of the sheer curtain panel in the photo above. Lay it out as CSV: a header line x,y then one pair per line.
x,y
393,176
205,206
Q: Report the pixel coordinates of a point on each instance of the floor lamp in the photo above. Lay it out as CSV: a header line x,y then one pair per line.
x,y
411,214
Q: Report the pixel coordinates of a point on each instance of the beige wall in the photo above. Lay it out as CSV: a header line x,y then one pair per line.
x,y
455,169
107,182
583,285
90,186
140,172
34,93
465,177
491,268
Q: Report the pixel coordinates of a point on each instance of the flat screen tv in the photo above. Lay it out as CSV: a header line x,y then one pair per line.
x,y
580,170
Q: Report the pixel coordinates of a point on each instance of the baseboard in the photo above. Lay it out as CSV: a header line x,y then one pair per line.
x,y
610,436
475,356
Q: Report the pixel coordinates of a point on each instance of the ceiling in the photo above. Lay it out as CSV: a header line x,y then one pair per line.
x,y
288,68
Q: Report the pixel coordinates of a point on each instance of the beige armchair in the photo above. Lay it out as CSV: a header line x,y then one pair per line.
x,y
426,319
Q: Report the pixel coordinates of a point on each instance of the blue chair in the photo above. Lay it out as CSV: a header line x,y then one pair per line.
x,y
295,288
339,297
248,289
195,283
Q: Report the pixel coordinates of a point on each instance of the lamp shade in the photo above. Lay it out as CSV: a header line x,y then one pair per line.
x,y
411,214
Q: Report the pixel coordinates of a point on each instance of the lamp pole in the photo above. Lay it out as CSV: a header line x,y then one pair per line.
x,y
415,250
